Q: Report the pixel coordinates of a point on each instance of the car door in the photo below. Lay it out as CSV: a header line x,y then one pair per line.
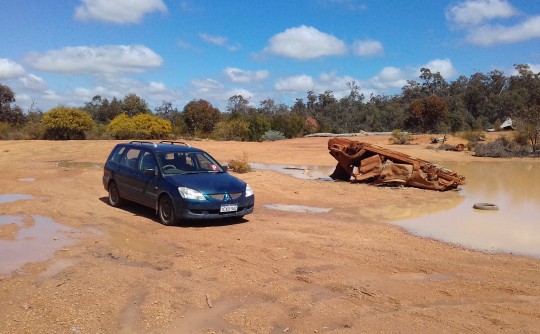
x,y
126,176
146,181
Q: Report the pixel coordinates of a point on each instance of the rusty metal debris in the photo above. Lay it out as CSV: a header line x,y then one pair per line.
x,y
364,162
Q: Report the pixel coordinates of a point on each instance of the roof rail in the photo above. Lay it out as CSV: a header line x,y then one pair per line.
x,y
141,142
172,142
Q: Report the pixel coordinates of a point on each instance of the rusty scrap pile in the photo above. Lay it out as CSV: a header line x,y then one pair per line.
x,y
359,161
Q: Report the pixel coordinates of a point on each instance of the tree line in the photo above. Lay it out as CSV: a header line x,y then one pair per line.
x,y
428,105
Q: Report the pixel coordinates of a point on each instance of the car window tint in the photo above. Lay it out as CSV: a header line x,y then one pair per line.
x,y
130,158
117,154
147,161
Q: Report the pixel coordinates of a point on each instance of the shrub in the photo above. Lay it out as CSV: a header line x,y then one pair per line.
x,y
272,135
142,126
65,123
233,129
472,135
240,165
502,147
400,138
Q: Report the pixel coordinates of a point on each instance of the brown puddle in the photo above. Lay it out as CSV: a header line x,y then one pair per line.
x,y
31,239
514,186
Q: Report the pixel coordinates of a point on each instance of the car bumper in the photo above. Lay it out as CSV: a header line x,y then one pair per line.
x,y
204,210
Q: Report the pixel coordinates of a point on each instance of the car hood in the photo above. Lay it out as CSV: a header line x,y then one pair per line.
x,y
209,183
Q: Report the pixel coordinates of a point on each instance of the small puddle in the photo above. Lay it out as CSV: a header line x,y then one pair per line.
x,y
32,239
27,179
8,198
78,164
301,172
297,208
515,228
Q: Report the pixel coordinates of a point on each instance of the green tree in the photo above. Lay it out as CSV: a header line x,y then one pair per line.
x,y
529,123
65,123
238,106
134,105
10,113
200,117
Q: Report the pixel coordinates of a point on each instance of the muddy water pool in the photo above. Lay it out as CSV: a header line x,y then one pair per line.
x,y
514,186
32,239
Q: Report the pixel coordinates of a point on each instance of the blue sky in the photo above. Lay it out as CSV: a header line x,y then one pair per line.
x,y
67,51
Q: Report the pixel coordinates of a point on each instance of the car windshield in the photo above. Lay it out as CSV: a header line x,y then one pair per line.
x,y
187,163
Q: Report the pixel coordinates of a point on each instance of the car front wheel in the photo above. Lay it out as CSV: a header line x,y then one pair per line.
x,y
114,195
166,211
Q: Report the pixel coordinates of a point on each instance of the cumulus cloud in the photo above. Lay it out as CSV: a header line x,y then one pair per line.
x,y
443,66
490,34
389,77
242,76
305,43
367,48
474,17
98,60
117,11
297,83
475,12
10,69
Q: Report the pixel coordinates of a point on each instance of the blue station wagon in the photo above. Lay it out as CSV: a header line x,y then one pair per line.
x,y
178,181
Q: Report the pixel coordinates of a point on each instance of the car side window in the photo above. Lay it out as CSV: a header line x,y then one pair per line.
x,y
147,161
117,154
130,158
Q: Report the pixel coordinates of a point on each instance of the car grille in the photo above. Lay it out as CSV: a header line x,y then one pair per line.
x,y
218,197
235,195
221,197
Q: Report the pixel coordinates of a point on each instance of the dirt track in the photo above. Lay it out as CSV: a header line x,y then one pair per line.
x,y
346,271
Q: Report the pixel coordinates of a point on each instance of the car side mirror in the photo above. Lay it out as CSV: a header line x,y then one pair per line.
x,y
150,171
225,168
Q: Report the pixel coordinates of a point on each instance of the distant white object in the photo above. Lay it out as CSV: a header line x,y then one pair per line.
x,y
507,125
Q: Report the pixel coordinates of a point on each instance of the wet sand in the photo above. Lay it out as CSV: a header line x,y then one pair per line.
x,y
280,271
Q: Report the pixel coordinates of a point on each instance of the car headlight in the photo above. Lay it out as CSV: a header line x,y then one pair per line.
x,y
249,191
189,193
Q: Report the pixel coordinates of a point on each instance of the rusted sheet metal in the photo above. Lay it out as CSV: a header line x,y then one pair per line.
x,y
358,161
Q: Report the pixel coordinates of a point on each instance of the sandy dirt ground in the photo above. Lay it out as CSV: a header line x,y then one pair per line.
x,y
344,271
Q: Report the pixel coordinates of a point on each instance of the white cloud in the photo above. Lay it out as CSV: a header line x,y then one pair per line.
x,y
298,83
97,60
10,69
388,78
117,11
367,48
157,87
242,76
475,12
219,41
305,43
443,66
490,35
33,82
535,68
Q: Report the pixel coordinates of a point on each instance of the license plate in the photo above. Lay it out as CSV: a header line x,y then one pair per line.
x,y
229,208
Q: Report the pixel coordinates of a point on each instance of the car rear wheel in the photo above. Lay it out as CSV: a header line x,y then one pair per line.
x,y
166,211
114,195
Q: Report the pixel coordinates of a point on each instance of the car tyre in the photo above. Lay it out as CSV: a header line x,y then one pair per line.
x,y
114,195
166,211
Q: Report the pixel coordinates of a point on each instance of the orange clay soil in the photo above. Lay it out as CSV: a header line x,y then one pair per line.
x,y
344,271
